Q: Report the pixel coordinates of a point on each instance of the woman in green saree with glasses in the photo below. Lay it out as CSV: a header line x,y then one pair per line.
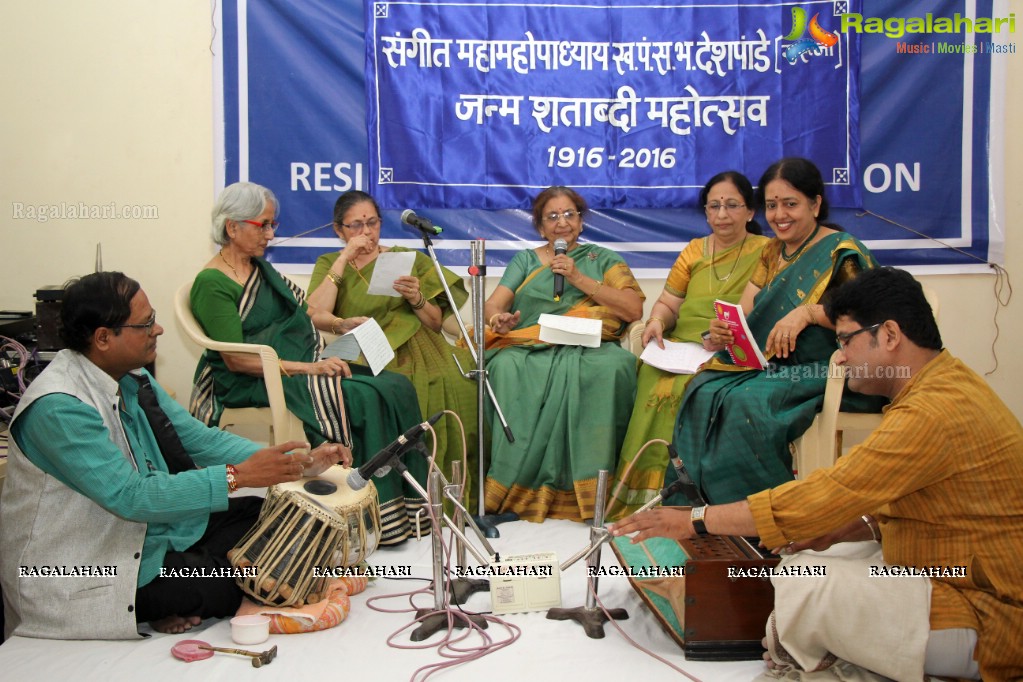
x,y
567,406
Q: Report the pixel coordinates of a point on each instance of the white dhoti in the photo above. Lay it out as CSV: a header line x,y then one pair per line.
x,y
848,624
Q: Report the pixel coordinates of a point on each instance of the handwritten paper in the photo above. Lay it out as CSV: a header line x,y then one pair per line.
x,y
676,357
367,340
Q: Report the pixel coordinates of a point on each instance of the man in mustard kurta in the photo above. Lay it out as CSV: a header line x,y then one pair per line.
x,y
938,483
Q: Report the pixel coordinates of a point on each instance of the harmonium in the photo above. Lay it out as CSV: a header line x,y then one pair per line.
x,y
717,610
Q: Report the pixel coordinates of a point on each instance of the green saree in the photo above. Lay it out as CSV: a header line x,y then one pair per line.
x,y
421,354
567,406
735,425
364,412
659,393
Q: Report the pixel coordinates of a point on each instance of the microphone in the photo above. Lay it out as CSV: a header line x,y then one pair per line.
x,y
380,462
686,484
410,218
560,249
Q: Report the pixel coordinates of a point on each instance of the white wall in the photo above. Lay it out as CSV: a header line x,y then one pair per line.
x,y
112,102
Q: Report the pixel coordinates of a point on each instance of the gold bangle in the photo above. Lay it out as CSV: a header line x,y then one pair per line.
x,y
335,278
422,302
491,321
599,284
280,363
813,318
664,324
337,321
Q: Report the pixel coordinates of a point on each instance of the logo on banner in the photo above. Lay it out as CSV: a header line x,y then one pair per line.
x,y
818,41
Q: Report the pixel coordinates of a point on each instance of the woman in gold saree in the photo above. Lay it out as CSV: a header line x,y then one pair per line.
x,y
714,267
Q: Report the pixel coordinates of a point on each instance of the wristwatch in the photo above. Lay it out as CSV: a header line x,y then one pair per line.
x,y
697,518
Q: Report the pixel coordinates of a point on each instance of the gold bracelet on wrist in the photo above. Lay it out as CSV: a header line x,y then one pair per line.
x,y
335,278
599,284
664,324
491,320
809,313
280,363
420,304
337,321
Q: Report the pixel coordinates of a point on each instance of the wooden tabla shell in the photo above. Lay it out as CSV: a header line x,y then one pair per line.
x,y
314,522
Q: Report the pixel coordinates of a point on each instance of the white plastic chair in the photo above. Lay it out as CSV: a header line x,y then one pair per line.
x,y
821,445
282,423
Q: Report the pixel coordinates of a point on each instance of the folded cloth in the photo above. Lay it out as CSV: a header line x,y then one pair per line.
x,y
824,622
321,615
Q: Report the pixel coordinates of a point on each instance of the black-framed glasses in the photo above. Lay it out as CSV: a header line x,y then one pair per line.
x,y
569,216
843,339
359,226
148,325
265,226
730,206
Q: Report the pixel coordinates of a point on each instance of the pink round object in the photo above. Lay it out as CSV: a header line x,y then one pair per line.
x,y
188,650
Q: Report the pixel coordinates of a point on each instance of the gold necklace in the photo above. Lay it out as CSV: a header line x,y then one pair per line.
x,y
228,264
713,256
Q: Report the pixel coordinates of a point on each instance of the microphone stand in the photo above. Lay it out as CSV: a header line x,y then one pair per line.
x,y
436,619
477,271
589,616
462,587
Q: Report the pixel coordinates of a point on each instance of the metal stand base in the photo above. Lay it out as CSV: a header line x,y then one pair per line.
x,y
488,522
435,621
463,588
592,620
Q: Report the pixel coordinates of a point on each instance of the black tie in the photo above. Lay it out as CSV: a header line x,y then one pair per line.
x,y
166,437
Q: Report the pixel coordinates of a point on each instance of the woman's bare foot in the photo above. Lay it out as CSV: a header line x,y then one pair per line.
x,y
174,625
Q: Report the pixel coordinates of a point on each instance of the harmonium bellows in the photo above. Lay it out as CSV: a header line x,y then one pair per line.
x,y
718,610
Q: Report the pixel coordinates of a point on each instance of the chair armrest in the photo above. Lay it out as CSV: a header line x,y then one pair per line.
x,y
632,339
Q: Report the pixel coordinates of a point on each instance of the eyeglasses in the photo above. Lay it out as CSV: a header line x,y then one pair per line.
x,y
359,226
569,216
265,226
148,325
843,339
731,207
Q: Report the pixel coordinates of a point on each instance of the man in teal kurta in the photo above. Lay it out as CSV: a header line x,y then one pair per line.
x,y
92,490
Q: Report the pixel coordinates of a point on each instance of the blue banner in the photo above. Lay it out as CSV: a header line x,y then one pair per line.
x,y
920,191
633,104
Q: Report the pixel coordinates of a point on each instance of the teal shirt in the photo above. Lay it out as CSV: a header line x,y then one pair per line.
x,y
67,439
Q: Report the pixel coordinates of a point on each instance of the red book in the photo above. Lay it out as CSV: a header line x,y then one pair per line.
x,y
744,350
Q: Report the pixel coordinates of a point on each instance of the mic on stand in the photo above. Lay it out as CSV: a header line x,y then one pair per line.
x,y
422,224
685,482
358,478
560,249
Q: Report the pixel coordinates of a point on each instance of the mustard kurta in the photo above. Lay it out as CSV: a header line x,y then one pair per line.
x,y
947,460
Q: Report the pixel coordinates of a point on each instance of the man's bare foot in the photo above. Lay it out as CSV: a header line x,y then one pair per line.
x,y
771,665
174,625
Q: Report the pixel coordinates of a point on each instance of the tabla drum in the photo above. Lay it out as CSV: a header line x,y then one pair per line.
x,y
315,522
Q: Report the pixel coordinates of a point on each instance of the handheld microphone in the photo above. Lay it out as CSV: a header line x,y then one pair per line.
x,y
560,249
380,462
688,487
410,218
